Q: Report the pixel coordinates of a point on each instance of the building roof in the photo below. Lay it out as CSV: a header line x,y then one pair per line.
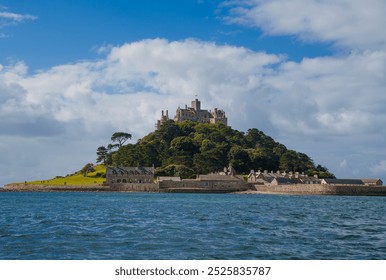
x,y
284,180
130,170
217,177
371,180
343,181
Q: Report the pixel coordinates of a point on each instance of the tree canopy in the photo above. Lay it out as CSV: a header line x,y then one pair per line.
x,y
120,138
188,148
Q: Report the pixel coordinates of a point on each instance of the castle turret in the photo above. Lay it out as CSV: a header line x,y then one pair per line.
x,y
196,105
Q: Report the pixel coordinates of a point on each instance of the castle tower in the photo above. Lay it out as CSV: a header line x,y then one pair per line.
x,y
196,105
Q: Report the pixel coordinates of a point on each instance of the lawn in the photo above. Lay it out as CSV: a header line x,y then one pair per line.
x,y
76,179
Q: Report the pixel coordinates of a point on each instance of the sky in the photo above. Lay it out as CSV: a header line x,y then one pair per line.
x,y
309,73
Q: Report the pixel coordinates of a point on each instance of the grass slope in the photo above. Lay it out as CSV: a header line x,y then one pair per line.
x,y
76,179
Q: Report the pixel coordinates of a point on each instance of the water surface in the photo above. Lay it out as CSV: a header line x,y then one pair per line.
x,y
190,226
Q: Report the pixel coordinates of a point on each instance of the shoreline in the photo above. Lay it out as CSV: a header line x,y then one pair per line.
x,y
298,189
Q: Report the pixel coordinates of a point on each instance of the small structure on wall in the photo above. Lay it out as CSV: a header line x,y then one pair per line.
x,y
124,175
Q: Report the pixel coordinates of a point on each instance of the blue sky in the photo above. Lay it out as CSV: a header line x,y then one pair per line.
x,y
309,73
70,30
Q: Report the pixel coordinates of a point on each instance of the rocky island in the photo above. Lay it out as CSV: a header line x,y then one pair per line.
x,y
188,154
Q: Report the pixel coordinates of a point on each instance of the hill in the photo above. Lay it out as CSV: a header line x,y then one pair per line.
x,y
187,148
90,175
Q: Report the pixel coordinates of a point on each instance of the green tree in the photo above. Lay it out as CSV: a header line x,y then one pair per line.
x,y
239,159
183,145
197,148
89,167
120,138
102,155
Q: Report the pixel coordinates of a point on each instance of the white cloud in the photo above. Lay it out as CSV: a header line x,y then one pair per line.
x,y
337,95
10,18
330,108
355,24
88,101
13,17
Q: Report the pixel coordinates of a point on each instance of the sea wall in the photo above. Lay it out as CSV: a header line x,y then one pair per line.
x,y
134,187
48,188
203,186
317,189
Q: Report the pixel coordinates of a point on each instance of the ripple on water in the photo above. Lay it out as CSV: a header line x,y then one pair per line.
x,y
190,226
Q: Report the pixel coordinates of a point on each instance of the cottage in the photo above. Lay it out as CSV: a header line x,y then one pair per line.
x,y
122,175
265,178
342,182
285,181
372,182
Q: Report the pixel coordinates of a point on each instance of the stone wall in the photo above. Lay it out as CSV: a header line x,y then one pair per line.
x,y
50,188
203,186
313,189
135,187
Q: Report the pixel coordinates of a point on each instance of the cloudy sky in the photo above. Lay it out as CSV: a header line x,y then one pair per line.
x,y
310,73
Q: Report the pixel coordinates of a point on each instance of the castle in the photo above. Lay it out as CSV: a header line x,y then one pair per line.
x,y
195,114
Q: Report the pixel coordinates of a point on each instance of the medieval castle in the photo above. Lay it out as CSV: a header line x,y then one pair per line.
x,y
195,114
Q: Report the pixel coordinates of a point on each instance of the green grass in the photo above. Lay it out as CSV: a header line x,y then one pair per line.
x,y
76,179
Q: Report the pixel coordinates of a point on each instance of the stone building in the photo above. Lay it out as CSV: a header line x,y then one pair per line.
x,y
124,175
342,182
195,114
372,182
281,178
210,183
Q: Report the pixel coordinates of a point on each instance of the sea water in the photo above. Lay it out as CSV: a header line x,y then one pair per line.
x,y
190,226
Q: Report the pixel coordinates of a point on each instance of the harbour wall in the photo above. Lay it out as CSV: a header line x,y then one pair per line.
x,y
204,186
194,186
134,187
318,189
52,188
127,187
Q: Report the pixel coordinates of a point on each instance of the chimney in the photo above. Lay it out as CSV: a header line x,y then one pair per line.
x,y
162,113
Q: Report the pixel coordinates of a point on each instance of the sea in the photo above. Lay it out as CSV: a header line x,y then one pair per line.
x,y
158,226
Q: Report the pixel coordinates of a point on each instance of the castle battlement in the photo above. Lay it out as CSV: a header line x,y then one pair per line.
x,y
195,114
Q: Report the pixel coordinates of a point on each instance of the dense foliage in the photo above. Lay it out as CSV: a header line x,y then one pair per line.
x,y
187,148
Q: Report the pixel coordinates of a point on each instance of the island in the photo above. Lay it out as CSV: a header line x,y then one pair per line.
x,y
197,151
